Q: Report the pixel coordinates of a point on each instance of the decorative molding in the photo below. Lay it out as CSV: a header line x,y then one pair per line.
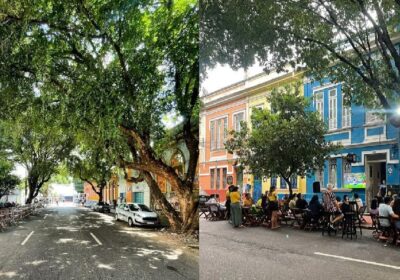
x,y
323,87
374,137
364,153
222,108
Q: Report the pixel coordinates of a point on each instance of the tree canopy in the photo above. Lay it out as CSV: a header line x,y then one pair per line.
x,y
114,68
8,182
37,141
353,42
286,140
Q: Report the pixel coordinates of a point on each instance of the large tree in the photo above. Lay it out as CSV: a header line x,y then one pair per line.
x,y
286,141
8,182
354,42
115,67
94,161
38,142
94,167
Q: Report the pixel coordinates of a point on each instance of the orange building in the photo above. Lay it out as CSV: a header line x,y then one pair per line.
x,y
222,111
110,192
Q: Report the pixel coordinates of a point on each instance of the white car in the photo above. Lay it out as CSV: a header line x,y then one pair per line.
x,y
136,214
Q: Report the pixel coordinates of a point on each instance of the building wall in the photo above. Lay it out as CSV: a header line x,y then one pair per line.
x,y
239,97
363,138
259,99
89,193
218,158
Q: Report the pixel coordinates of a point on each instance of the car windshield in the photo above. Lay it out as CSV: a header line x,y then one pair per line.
x,y
132,207
144,208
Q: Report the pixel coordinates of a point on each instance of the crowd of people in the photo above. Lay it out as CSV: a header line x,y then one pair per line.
x,y
387,206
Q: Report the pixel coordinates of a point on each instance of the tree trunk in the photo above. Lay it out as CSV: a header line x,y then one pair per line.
x,y
187,219
189,212
100,193
158,197
30,197
289,184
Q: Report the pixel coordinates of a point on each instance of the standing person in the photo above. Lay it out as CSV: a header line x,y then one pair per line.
x,y
264,202
273,208
332,206
228,202
383,188
236,211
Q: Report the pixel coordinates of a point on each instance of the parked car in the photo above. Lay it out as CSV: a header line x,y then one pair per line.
x,y
136,214
89,203
101,207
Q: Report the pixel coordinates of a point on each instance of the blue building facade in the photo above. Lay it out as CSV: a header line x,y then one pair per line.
x,y
360,131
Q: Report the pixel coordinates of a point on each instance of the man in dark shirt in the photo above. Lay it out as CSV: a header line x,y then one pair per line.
x,y
301,203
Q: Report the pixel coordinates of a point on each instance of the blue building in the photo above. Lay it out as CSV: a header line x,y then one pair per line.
x,y
360,131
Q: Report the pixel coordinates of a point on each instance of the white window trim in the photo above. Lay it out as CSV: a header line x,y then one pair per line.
x,y
209,129
329,173
335,126
378,121
349,115
315,92
237,113
258,106
384,151
221,166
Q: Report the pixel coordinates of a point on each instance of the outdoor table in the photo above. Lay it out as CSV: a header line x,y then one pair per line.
x,y
348,225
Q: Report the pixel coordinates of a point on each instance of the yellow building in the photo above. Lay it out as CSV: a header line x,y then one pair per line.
x,y
257,98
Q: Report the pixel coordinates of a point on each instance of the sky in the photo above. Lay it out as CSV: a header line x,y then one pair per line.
x,y
223,75
20,171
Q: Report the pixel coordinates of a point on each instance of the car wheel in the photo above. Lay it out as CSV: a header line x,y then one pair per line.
x,y
130,222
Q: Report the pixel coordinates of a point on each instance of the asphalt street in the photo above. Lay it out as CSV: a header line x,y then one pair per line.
x,y
287,253
76,243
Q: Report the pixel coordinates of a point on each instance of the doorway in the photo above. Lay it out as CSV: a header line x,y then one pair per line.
x,y
375,171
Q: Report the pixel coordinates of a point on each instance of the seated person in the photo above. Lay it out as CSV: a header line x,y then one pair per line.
x,y
315,207
386,211
301,203
396,210
259,202
292,202
315,211
248,201
211,200
374,207
339,200
358,200
346,207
